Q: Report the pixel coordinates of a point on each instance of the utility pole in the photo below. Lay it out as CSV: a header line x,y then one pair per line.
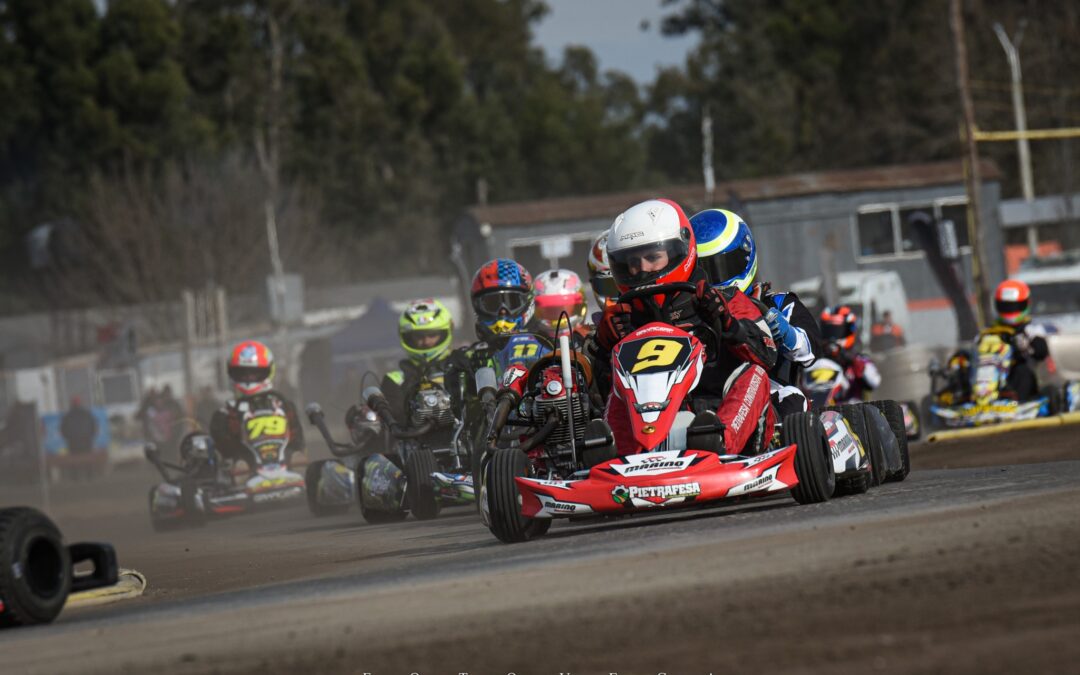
x,y
1012,53
707,154
972,179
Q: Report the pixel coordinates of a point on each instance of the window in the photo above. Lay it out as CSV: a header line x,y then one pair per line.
x,y
882,230
876,233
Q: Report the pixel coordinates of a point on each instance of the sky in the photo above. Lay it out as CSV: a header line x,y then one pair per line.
x,y
612,30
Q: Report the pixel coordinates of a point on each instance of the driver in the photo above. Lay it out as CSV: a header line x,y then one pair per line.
x,y
560,292
1012,304
840,329
251,370
653,243
426,331
728,255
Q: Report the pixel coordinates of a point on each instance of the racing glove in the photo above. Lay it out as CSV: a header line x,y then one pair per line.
x,y
710,305
782,331
1022,343
614,325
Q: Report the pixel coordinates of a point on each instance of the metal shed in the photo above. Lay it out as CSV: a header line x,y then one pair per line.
x,y
860,213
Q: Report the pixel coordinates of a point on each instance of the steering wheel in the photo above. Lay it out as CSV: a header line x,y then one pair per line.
x,y
709,334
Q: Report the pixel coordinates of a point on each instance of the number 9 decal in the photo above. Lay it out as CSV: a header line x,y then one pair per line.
x,y
658,352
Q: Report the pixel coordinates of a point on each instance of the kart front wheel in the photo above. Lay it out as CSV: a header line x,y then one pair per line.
x,y
35,568
504,499
420,486
813,461
312,483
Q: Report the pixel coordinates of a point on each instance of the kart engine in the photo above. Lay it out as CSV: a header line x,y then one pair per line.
x,y
552,396
432,405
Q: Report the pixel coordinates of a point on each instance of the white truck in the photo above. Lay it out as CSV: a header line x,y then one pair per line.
x,y
1055,307
869,293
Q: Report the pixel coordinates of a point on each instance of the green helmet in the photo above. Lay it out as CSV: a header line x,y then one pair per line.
x,y
426,330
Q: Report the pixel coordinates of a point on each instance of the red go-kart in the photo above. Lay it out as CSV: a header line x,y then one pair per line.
x,y
655,370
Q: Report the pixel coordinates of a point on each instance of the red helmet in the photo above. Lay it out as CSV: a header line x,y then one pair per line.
x,y
502,297
840,325
1012,302
651,243
251,368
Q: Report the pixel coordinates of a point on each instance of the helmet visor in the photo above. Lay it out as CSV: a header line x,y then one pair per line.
x,y
722,268
640,265
1010,307
492,303
834,332
425,339
250,374
604,286
571,305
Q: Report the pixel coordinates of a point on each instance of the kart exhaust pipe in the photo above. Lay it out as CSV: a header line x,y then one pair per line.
x,y
568,386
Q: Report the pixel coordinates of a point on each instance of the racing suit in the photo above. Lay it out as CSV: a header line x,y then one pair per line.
x,y
734,384
859,369
1029,347
227,426
798,343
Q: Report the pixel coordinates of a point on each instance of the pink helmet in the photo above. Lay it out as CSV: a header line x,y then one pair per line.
x,y
558,292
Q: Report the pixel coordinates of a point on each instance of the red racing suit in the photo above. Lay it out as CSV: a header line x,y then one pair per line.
x,y
734,382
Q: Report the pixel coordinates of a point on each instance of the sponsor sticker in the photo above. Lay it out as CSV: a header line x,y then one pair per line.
x,y
653,464
656,494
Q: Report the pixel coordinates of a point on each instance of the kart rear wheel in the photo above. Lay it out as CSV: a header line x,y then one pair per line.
x,y
312,480
852,484
856,417
1055,398
420,487
193,515
894,415
813,461
35,568
376,517
504,499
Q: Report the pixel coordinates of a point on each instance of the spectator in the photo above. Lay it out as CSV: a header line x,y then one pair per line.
x,y
78,427
885,334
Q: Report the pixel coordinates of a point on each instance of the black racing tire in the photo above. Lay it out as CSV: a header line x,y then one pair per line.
x,y
312,476
374,516
193,515
420,491
856,417
160,524
813,461
504,499
35,568
1055,396
894,415
856,484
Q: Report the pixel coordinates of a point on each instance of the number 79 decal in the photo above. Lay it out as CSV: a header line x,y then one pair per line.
x,y
266,425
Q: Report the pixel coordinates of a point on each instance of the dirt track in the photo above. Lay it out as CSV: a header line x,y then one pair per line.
x,y
964,570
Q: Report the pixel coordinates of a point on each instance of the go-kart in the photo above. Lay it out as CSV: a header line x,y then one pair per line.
x,y
675,461
204,486
971,390
826,385
37,572
392,470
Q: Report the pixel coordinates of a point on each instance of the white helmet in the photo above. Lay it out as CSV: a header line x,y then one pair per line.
x,y
600,278
651,243
559,292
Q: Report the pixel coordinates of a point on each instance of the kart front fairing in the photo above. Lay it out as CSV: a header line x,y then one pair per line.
x,y
655,368
663,479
